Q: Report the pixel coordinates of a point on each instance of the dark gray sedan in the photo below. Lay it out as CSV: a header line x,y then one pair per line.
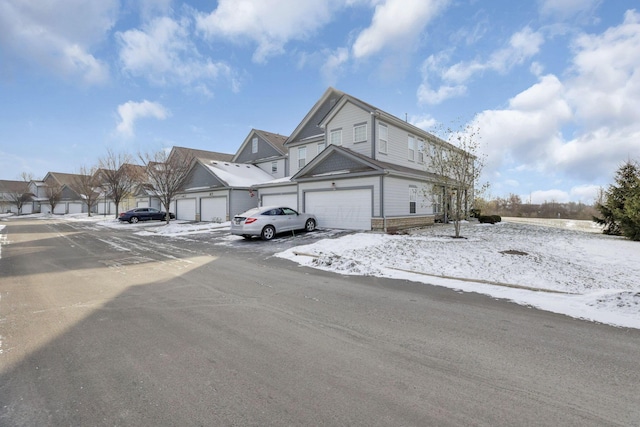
x,y
268,221
144,214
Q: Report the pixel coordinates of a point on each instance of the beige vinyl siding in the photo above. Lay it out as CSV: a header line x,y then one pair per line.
x,y
267,167
348,116
397,193
312,151
398,151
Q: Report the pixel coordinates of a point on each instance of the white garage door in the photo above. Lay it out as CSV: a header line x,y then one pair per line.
x,y
286,200
186,209
343,209
75,208
27,209
60,208
213,209
144,204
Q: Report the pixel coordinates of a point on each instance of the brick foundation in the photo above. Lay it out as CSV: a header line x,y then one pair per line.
x,y
400,223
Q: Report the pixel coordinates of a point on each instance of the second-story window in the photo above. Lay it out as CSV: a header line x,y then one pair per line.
x,y
383,138
360,133
254,145
412,148
321,147
274,167
335,137
420,151
302,157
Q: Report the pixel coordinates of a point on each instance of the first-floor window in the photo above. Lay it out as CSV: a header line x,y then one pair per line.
x,y
413,199
302,157
437,204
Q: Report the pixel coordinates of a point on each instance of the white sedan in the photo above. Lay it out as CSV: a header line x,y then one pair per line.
x,y
268,221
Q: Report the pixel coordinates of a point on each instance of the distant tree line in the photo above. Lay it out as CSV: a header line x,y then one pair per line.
x,y
513,206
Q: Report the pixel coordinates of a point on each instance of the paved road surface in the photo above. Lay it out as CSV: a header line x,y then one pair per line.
x,y
103,327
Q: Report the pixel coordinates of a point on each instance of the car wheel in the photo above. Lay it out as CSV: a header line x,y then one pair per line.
x,y
310,225
133,220
268,232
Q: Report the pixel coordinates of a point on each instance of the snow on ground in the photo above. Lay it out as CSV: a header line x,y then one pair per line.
x,y
557,268
561,266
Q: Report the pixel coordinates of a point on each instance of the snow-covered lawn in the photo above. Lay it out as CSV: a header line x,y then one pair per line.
x,y
561,266
558,266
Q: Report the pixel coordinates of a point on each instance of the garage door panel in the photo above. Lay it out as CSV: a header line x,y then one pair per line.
x,y
285,200
186,209
342,209
60,208
75,208
213,209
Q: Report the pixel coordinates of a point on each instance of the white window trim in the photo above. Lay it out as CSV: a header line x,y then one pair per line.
x,y
321,146
411,144
413,198
359,126
254,145
336,132
301,158
420,150
383,148
274,167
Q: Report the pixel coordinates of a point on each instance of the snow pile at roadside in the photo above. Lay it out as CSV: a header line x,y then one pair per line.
x,y
580,274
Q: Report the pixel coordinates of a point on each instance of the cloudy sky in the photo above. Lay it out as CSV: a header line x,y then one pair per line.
x,y
552,85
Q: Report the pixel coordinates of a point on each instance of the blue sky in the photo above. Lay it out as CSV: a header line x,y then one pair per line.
x,y
553,85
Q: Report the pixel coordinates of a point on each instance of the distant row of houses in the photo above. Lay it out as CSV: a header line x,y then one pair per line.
x,y
351,164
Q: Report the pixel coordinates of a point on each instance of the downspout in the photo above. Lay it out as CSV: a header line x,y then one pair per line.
x,y
374,155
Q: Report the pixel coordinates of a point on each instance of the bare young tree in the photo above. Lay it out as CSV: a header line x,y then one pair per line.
x,y
117,180
458,168
53,193
165,174
19,195
87,187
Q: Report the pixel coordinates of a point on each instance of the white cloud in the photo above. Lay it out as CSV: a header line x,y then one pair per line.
x,y
426,122
58,35
131,111
270,25
606,83
562,9
333,65
396,24
163,52
522,46
581,127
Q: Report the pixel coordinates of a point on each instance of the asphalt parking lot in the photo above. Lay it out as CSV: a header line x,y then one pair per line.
x,y
108,327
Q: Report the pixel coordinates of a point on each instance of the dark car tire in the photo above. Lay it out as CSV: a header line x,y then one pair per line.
x,y
247,236
310,225
133,219
268,232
